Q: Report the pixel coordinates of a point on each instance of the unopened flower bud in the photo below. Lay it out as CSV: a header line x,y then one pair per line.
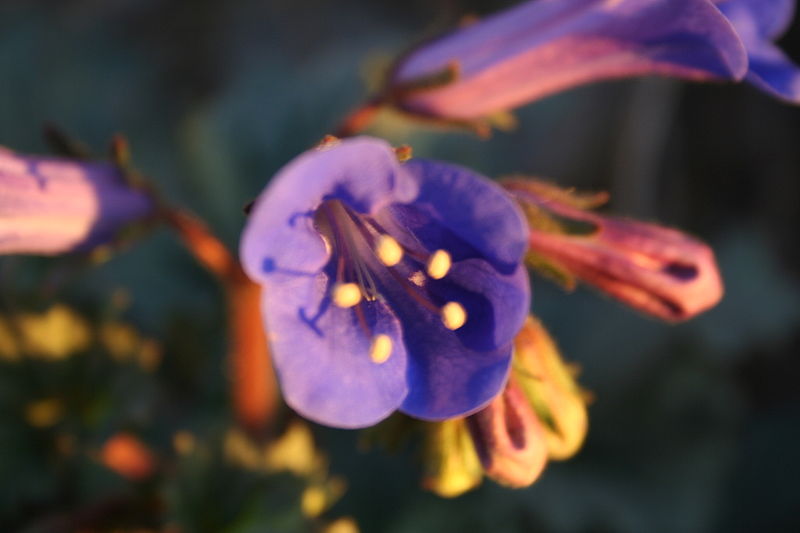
x,y
550,386
654,269
51,205
451,465
509,438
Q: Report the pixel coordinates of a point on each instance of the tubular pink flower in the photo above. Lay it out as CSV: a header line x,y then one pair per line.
x,y
545,46
654,269
50,206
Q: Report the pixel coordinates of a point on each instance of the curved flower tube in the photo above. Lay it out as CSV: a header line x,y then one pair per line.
x,y
759,23
545,46
657,270
51,206
509,438
387,285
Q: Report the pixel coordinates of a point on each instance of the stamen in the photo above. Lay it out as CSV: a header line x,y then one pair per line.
x,y
388,251
438,265
346,294
359,268
344,227
453,315
380,349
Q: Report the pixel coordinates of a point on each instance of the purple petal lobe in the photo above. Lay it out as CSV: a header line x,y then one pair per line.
x,y
322,355
758,22
773,72
473,209
280,238
768,19
456,373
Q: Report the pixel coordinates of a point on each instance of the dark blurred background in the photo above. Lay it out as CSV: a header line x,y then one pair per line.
x,y
694,428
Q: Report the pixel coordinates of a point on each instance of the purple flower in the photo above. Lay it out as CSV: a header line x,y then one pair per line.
x,y
541,47
51,206
387,285
759,23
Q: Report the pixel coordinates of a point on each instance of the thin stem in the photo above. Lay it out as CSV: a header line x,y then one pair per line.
x,y
359,120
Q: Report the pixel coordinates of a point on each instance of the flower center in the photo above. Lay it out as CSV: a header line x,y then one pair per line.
x,y
350,236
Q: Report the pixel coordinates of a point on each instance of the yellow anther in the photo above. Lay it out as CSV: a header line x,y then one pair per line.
x,y
346,294
453,315
380,349
327,142
389,251
403,153
439,264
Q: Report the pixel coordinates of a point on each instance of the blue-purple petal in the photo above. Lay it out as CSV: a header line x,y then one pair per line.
x,y
321,354
280,238
454,373
472,208
758,22
767,19
497,305
453,382
772,71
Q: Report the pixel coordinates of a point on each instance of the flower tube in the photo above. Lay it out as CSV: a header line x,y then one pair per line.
x,y
541,47
509,438
50,205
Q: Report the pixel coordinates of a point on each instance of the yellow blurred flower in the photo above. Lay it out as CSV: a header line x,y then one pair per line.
x,y
345,524
52,335
452,466
44,413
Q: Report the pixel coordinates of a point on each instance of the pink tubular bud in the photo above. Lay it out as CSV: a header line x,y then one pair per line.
x,y
509,438
654,269
51,205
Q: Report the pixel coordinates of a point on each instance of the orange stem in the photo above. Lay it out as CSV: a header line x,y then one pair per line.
x,y
359,119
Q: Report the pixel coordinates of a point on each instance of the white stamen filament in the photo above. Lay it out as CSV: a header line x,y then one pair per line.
x,y
363,277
